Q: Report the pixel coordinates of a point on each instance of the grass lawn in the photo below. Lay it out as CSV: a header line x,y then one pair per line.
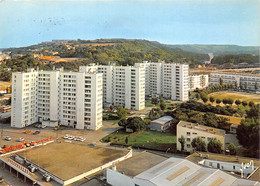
x,y
151,140
235,96
115,136
148,103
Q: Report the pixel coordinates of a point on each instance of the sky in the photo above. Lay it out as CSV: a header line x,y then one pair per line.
x,y
27,22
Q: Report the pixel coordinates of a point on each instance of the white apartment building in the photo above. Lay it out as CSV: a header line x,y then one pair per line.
x,y
122,85
198,81
192,130
170,80
56,97
246,80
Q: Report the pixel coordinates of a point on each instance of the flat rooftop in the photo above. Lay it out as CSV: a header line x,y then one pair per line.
x,y
66,160
139,163
163,120
202,128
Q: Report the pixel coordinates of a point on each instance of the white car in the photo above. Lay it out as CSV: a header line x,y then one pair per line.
x,y
43,126
8,138
21,139
82,139
71,137
65,137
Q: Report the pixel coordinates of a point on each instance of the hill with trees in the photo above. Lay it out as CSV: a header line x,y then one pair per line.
x,y
118,51
235,59
219,49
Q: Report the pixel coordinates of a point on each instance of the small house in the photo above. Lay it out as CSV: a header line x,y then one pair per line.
x,y
161,124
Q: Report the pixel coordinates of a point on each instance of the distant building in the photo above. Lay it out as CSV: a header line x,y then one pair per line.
x,y
170,80
122,85
198,81
192,130
248,81
161,124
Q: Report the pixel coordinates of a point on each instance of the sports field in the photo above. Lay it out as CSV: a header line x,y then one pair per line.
x,y
235,96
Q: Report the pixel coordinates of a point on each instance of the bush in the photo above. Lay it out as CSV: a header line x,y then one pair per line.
x,y
244,103
204,99
238,102
232,149
212,99
218,101
251,104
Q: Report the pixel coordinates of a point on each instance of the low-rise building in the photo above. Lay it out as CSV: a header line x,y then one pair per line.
x,y
148,169
192,130
161,124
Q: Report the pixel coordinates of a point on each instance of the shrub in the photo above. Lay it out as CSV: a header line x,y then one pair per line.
x,y
238,102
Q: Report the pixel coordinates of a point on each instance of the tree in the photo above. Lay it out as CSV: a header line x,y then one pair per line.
x,y
230,101
225,101
155,100
215,146
212,99
241,85
135,123
123,123
197,96
244,103
220,81
182,142
218,101
205,99
232,149
198,144
238,102
251,104
245,85
121,112
256,86
126,140
162,105
236,85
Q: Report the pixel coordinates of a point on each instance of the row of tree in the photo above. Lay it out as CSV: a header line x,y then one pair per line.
x,y
214,146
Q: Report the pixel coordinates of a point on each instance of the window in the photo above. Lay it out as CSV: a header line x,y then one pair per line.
x,y
188,145
210,164
188,133
188,139
234,167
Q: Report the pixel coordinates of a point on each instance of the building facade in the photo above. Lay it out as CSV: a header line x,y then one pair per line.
x,y
122,85
198,81
170,80
244,81
192,130
56,97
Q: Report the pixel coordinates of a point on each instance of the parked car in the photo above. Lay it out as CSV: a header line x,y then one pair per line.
x,y
27,131
92,144
8,138
43,126
38,125
36,132
21,139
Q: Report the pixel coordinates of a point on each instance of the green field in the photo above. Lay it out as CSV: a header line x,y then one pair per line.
x,y
235,96
120,134
151,140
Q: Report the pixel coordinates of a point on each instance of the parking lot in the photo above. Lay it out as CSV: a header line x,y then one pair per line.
x,y
91,136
